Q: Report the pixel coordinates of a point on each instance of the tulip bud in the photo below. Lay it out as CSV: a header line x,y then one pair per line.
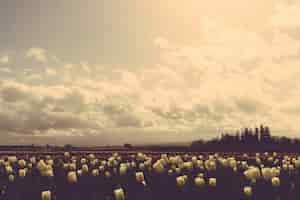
x,y
67,154
2,162
101,168
123,169
85,168
139,176
46,195
9,169
248,191
199,182
180,180
212,182
275,182
29,165
267,173
12,159
95,172
33,160
79,172
22,163
72,177
119,194
158,167
11,178
22,173
170,172
72,166
83,161
107,174
142,166
178,170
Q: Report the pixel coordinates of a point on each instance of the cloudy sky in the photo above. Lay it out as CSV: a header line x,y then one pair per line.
x,y
112,71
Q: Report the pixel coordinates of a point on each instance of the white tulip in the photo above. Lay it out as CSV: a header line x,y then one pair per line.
x,y
22,163
72,177
9,169
85,168
46,195
139,176
67,154
22,173
12,159
107,174
248,191
212,182
119,194
180,181
158,167
266,173
11,178
95,172
275,182
199,182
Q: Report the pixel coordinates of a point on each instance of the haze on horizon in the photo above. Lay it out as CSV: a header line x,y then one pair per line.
x,y
106,72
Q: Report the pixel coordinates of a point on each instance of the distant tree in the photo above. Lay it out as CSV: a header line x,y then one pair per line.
x,y
128,146
68,147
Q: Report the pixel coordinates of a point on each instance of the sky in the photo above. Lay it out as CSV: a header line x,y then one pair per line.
x,y
108,72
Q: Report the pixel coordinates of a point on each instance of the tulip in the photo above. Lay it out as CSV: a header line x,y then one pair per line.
x,y
297,163
252,173
95,172
275,172
275,182
119,194
12,159
22,163
48,173
142,166
85,168
83,161
9,169
22,173
101,168
248,191
33,160
199,182
72,166
180,181
107,174
212,182
158,167
72,177
11,178
79,172
266,173
67,154
139,176
50,162
46,195
2,162
123,169
178,170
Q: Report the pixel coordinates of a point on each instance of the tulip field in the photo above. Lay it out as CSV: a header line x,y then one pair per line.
x,y
145,176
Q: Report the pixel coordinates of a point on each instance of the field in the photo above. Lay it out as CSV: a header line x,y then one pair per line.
x,y
148,175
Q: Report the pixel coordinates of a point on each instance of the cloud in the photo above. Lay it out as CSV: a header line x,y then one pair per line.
x,y
5,70
51,72
161,42
234,77
38,54
4,59
286,15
